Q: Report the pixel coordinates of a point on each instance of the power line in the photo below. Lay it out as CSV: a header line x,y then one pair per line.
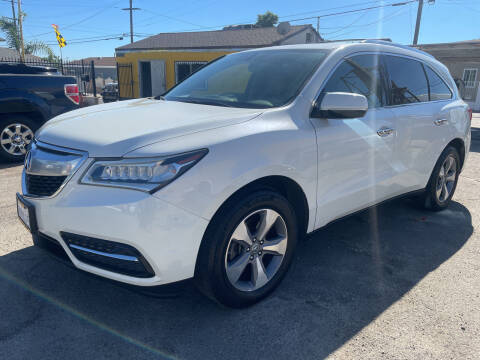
x,y
357,10
70,42
346,26
322,16
172,18
199,27
87,38
384,18
84,19
333,8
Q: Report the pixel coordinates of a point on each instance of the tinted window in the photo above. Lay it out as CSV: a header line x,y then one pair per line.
x,y
252,79
360,74
438,89
184,68
407,80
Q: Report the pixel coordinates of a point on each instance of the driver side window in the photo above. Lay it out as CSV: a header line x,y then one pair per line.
x,y
361,74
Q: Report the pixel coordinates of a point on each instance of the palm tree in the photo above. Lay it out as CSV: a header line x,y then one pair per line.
x,y
34,47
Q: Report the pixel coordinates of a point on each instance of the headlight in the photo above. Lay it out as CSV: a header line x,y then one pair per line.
x,y
145,174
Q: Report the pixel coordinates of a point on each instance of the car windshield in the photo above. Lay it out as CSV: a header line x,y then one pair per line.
x,y
252,79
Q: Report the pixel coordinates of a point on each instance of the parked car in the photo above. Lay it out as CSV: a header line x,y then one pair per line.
x,y
110,92
219,178
29,96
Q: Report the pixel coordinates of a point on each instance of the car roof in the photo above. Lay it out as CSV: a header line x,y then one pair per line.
x,y
351,46
378,45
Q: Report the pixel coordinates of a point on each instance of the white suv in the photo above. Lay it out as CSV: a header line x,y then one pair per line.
x,y
219,178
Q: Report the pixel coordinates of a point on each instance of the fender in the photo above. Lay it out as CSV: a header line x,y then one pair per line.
x,y
21,101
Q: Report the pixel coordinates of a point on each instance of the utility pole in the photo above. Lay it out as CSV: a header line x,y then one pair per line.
x,y
22,52
419,18
131,19
318,24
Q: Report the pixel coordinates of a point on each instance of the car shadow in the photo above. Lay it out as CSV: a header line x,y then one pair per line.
x,y
7,165
344,276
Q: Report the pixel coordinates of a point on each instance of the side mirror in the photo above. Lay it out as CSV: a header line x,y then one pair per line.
x,y
340,105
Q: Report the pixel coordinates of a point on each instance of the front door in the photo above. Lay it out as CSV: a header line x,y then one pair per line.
x,y
355,167
152,78
145,79
158,77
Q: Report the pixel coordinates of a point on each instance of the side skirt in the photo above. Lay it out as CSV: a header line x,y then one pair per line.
x,y
401,196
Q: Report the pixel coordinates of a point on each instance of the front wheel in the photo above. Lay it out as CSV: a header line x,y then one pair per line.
x,y
247,249
443,181
16,133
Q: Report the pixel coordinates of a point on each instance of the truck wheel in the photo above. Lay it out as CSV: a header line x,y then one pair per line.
x,y
247,249
16,133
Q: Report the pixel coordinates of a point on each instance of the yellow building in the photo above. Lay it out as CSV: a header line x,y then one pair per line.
x,y
153,65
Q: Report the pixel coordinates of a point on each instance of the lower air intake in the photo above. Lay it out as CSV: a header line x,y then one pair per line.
x,y
109,255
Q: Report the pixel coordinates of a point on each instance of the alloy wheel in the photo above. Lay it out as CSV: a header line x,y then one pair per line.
x,y
15,138
446,178
256,250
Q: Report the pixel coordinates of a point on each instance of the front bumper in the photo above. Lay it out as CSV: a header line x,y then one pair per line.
x,y
165,235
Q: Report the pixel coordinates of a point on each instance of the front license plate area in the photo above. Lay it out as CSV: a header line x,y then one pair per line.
x,y
26,213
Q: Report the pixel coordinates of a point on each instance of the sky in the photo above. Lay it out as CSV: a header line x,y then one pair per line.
x,y
93,27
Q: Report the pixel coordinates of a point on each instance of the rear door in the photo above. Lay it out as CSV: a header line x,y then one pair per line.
x,y
419,99
354,161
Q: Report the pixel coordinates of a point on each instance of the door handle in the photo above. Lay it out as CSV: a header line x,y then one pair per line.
x,y
441,121
385,132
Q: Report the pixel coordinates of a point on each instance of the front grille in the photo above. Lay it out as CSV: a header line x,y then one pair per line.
x,y
108,255
41,185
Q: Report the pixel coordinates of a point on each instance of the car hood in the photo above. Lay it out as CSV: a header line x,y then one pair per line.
x,y
115,129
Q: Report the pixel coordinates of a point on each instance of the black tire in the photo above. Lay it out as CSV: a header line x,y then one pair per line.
x,y
430,200
211,276
4,123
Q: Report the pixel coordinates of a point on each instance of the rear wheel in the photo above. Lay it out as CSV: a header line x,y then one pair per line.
x,y
16,133
247,250
443,181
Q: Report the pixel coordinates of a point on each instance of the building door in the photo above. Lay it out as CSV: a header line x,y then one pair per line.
x,y
145,79
158,77
152,78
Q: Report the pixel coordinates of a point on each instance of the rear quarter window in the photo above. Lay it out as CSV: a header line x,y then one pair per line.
x,y
438,89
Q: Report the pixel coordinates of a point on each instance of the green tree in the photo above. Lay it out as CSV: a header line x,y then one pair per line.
x,y
268,19
34,47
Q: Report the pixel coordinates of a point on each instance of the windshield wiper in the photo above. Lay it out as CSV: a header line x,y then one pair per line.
x,y
160,97
205,102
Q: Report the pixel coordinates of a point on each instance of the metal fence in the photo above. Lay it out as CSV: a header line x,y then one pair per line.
x,y
125,81
83,71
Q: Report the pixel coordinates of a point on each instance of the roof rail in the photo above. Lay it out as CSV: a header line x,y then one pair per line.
x,y
406,47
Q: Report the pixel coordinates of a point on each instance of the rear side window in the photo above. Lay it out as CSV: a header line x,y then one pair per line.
x,y
408,83
438,89
361,74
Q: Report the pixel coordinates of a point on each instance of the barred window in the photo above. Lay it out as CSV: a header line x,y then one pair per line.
x,y
469,77
184,68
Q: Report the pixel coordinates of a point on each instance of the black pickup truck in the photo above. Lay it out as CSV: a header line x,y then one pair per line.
x,y
29,96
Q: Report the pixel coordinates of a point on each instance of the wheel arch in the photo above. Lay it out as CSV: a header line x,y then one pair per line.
x,y
34,115
284,185
459,145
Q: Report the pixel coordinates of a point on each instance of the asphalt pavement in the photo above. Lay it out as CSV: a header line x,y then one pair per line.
x,y
395,282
